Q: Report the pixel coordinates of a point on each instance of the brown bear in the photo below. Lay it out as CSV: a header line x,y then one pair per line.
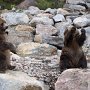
x,y
72,55
5,48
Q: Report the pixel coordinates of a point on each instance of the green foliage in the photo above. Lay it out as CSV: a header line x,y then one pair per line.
x,y
9,3
43,4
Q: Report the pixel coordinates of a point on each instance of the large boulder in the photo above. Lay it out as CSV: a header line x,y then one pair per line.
x,y
13,18
20,33
82,21
41,20
73,79
34,10
15,80
52,40
46,30
36,49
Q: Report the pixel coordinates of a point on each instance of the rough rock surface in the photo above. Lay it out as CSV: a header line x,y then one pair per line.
x,y
41,20
13,18
73,79
46,27
46,30
15,80
36,49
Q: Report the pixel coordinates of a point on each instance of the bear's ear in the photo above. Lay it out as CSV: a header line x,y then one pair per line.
x,y
73,29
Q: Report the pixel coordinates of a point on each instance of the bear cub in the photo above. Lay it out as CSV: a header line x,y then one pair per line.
x,y
72,55
5,48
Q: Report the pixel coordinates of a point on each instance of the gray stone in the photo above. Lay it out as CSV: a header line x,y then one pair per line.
x,y
77,7
23,34
36,49
34,10
88,35
9,81
41,20
88,4
46,30
13,18
45,15
81,21
52,11
62,11
88,1
73,79
52,40
75,1
58,18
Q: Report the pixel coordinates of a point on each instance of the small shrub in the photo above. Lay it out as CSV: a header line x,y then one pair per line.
x,y
8,3
43,4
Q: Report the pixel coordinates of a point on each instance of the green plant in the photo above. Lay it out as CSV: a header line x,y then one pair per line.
x,y
9,3
43,4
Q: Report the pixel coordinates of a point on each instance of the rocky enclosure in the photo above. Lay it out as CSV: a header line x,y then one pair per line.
x,y
38,37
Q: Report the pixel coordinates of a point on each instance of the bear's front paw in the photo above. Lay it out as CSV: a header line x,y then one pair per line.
x,y
83,31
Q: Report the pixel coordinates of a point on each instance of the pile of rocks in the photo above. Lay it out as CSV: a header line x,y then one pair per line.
x,y
38,36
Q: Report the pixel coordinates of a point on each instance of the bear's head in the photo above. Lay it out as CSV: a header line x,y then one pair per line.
x,y
3,31
3,27
73,37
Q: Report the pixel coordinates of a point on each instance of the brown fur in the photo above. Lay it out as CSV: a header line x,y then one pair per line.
x,y
5,48
72,55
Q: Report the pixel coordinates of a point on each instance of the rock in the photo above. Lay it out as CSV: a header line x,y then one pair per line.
x,y
73,79
35,49
88,56
88,35
15,80
45,15
38,38
20,33
41,20
46,30
52,40
88,4
74,1
62,11
77,7
51,11
24,28
81,21
25,32
34,10
44,68
59,18
13,18
27,12
88,1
